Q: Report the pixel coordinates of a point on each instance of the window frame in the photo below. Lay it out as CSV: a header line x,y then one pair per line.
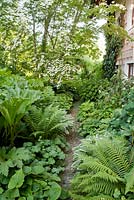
x,y
130,70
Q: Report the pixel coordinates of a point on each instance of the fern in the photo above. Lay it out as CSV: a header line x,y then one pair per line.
x,y
103,168
49,122
114,156
99,197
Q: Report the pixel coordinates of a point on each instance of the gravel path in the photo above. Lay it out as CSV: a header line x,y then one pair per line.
x,y
74,140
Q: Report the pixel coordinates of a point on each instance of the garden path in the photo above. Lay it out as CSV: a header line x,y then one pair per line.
x,y
74,140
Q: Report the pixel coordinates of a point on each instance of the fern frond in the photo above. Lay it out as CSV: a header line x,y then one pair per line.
x,y
87,184
48,122
101,197
102,170
33,118
101,186
91,164
107,177
113,155
78,197
88,197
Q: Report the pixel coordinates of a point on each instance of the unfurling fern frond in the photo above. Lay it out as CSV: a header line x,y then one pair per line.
x,y
102,170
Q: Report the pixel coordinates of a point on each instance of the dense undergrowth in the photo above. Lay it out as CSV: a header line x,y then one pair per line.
x,y
46,47
34,119
33,123
104,161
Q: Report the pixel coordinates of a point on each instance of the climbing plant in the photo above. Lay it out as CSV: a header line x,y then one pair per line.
x,y
113,46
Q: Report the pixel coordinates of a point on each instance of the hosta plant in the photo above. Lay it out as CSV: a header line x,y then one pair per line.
x,y
104,171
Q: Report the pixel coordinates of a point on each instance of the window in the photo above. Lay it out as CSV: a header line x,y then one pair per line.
x,y
130,70
133,17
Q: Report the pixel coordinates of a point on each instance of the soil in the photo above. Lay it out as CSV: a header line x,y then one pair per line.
x,y
74,140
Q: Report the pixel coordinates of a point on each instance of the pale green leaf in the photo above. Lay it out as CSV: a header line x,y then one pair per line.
x,y
130,181
22,198
30,198
37,169
54,192
1,190
12,194
16,181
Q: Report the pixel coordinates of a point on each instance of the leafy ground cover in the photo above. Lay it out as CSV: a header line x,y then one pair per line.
x,y
34,121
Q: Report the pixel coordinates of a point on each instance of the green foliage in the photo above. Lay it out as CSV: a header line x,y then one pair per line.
x,y
92,83
93,120
19,116
113,48
64,101
31,172
94,117
14,103
49,153
103,171
47,97
72,87
34,51
85,110
55,50
48,123
16,180
123,119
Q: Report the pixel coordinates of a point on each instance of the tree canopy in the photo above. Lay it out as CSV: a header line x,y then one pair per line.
x,y
39,36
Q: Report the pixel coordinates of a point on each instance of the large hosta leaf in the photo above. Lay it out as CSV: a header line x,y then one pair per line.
x,y
16,181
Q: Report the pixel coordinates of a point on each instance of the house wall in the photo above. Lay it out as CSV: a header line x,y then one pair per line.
x,y
127,53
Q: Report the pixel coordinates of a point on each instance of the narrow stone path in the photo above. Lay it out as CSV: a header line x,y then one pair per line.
x,y
74,140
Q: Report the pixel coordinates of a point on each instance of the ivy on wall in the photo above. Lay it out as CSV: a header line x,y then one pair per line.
x,y
114,44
